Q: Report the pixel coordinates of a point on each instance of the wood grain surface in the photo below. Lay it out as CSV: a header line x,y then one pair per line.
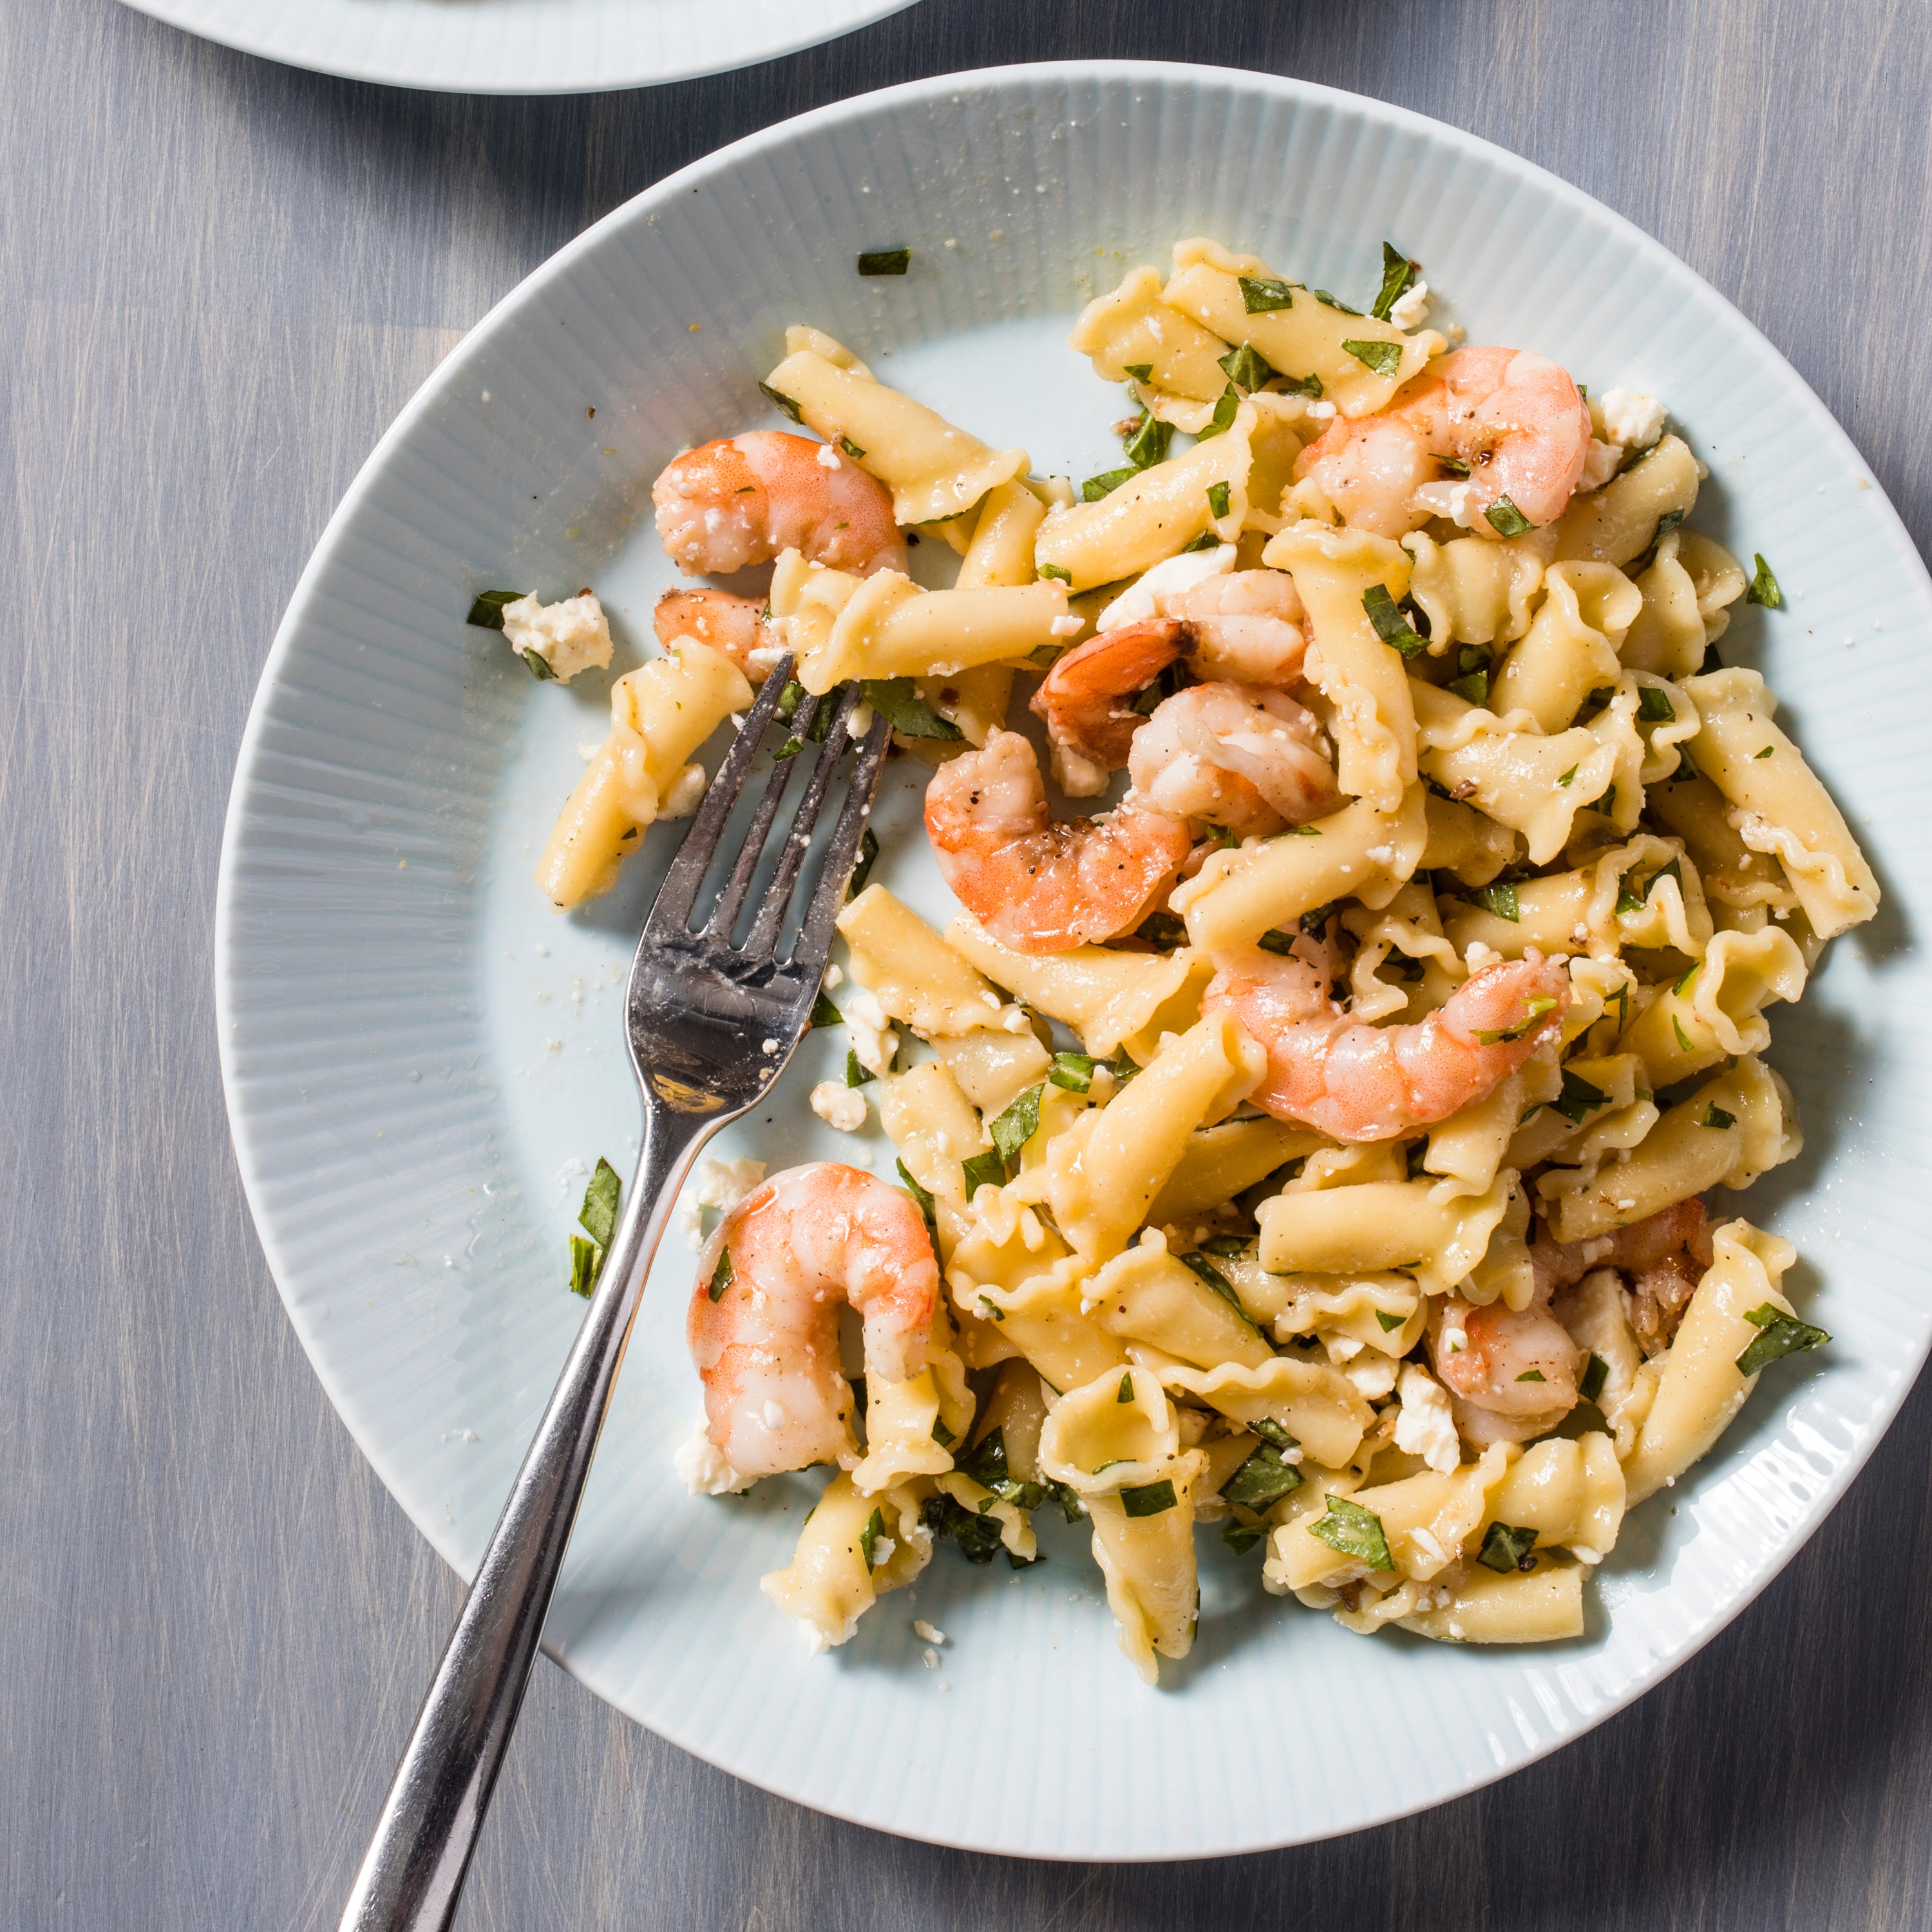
x,y
222,280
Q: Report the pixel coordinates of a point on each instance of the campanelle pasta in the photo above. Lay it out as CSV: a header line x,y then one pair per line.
x,y
1311,1145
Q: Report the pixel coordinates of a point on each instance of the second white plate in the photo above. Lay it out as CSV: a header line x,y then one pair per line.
x,y
420,1058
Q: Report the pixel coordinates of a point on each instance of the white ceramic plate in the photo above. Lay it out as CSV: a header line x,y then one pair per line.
x,y
419,1057
518,47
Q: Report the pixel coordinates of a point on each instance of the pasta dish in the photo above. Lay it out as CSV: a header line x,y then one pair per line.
x,y
1313,1142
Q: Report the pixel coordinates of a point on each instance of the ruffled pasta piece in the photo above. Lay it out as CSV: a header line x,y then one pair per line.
x,y
1505,1271
1701,1389
1472,590
913,974
1469,1147
1542,1606
995,1068
1016,1534
1147,1555
1282,428
1779,808
1733,875
1661,735
1357,852
1618,524
1316,1404
1110,999
934,470
1685,592
660,714
1300,339
829,1585
1130,328
1549,1133
1147,1295
1372,717
1154,516
1508,769
1384,1311
1570,1493
935,1130
1715,1012
1426,1228
1409,930
1729,1131
1467,843
1220,1163
1571,647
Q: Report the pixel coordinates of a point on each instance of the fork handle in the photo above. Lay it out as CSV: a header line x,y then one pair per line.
x,y
413,1872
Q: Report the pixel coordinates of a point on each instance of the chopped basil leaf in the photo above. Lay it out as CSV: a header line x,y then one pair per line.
x,y
1596,1372
1207,540
1675,870
1654,707
1074,1072
1504,1548
1391,626
1330,301
1161,929
598,1217
1398,272
894,700
1683,1043
1390,1323
1683,986
978,1537
1270,1430
1148,444
1127,1393
1568,776
885,261
1054,570
1315,922
824,1013
789,749
1475,687
1225,1246
1300,832
782,401
1217,499
1779,1335
1309,386
1071,1507
855,1076
1454,465
869,851
851,448
1384,358
1263,1480
538,666
1125,1066
1715,1116
1500,900
1763,588
926,1203
586,1260
721,1275
1352,1530
1142,372
1506,520
1106,483
1245,367
990,1310
1262,294
943,1436
790,698
1216,1281
486,613
869,1537
1281,944
1242,1536
1223,417
981,1170
1764,754
1047,655
1150,1499
1018,1124
1628,902
1532,1376
1578,1099
1413,1156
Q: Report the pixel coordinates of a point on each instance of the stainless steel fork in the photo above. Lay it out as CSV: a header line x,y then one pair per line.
x,y
710,1026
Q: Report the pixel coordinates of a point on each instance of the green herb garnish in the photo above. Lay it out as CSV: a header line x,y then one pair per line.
x,y
1216,1281
721,1275
1333,302
1578,1099
1262,294
885,261
1384,358
1500,901
1763,588
1148,444
1150,1499
1764,754
1207,540
1245,367
1391,626
486,613
1596,1372
824,1013
1240,1538
597,1216
1654,707
1506,520
873,1533
943,1436
1454,465
1074,1071
1263,1480
1779,1335
978,1537
782,402
926,1205
1126,1393
1162,929
895,701
1106,483
1715,1116
1054,570
587,1263
1142,372
1217,499
1399,273
1223,417
983,1170
1532,1376
855,1075
1352,1530
1017,1125
868,852
1474,686
1504,1549
851,448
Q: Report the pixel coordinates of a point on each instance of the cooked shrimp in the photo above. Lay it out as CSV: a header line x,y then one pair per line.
x,y
735,625
1036,885
1246,626
1236,755
1357,1082
1663,1257
743,499
1514,417
1086,698
1510,1374
764,1332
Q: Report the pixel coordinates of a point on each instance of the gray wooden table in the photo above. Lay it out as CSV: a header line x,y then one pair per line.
x,y
222,280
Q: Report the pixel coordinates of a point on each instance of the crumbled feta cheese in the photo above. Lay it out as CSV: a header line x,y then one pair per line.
x,y
589,749
570,636
1015,1018
685,795
1631,418
1068,626
1147,596
930,1658
763,657
839,1105
1373,1375
1076,776
1600,464
1321,412
1412,307
858,721
883,1547
1480,956
868,1030
1425,1426
921,1628
707,1469
769,1046
717,1184
1455,501
827,457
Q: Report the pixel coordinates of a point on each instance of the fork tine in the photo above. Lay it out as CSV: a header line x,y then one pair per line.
x,y
678,893
731,899
813,945
762,941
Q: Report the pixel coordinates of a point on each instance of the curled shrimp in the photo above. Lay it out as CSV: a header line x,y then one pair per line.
x,y
1356,1082
742,499
1036,885
763,1325
735,625
1236,755
1510,1373
1515,419
1247,626
1663,1257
